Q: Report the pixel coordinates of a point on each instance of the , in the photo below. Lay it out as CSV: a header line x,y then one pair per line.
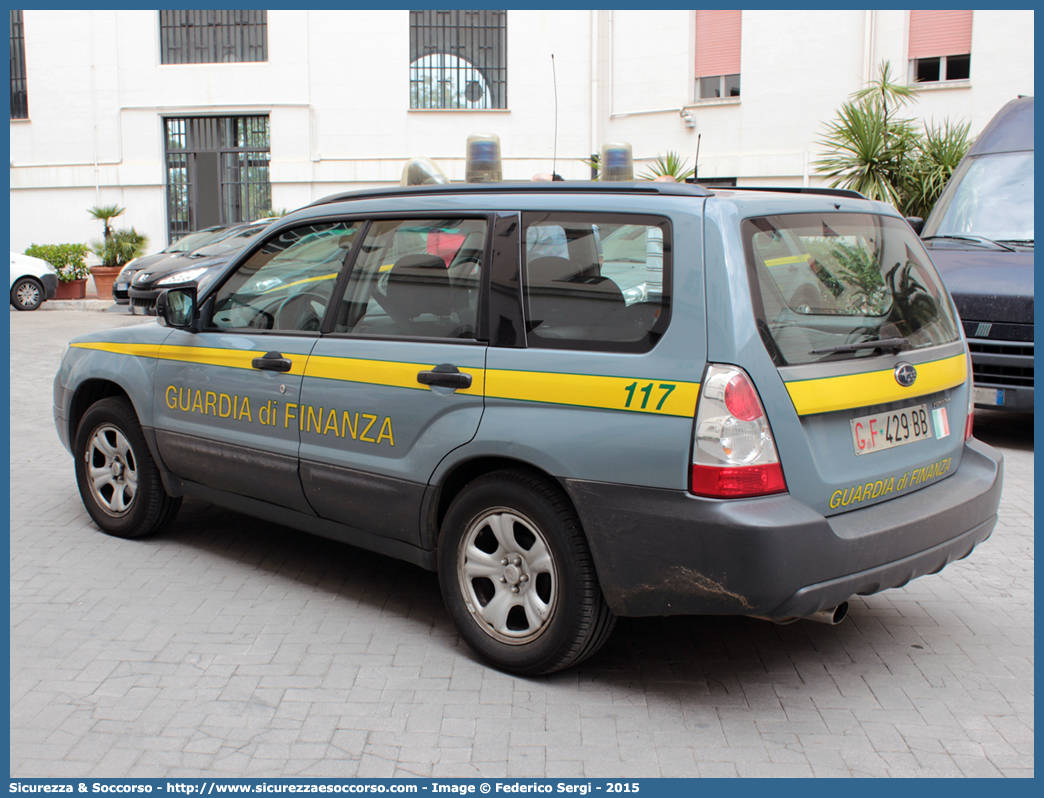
x,y
572,401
